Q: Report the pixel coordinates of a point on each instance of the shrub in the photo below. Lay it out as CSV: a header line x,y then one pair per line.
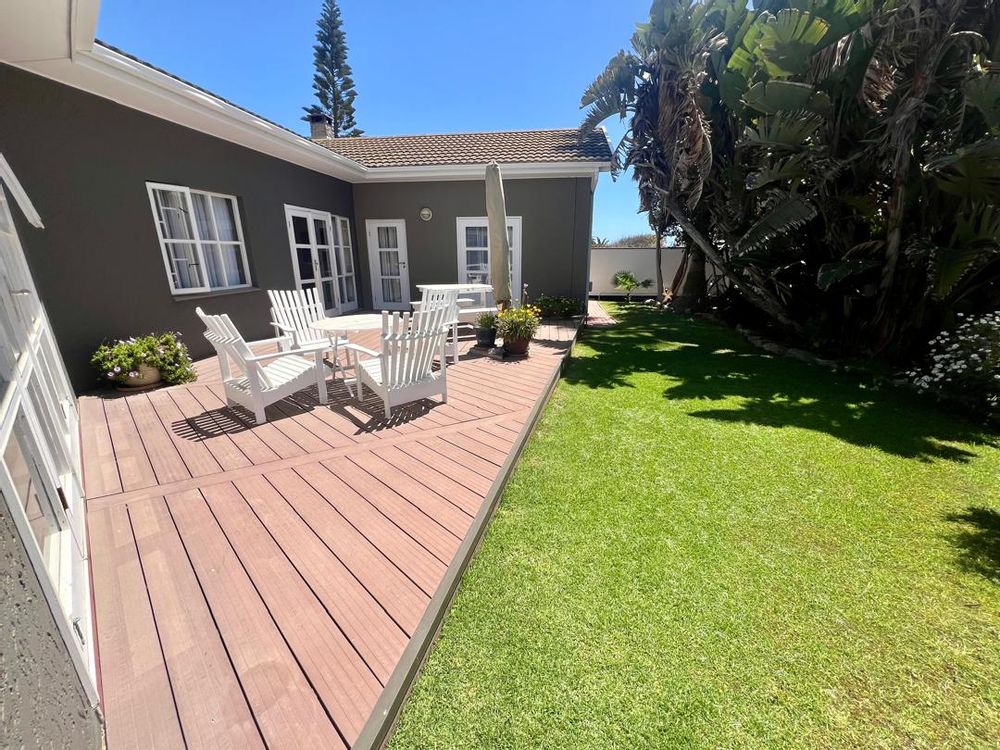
x,y
964,364
119,360
487,320
558,307
517,323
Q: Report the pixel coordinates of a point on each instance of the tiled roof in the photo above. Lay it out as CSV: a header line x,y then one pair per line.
x,y
473,148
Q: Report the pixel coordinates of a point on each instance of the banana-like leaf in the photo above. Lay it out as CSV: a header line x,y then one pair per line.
x,y
842,16
833,273
974,242
785,169
782,219
611,92
983,93
782,96
788,41
785,130
971,172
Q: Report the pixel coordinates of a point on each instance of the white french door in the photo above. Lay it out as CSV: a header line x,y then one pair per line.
x,y
474,251
40,472
321,256
388,263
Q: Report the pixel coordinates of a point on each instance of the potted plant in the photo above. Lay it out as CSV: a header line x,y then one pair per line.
x,y
486,330
628,283
144,361
516,326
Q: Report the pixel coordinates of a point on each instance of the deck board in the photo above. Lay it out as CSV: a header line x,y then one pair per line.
x,y
257,585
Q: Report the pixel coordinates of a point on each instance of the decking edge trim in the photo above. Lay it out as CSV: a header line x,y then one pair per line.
x,y
380,725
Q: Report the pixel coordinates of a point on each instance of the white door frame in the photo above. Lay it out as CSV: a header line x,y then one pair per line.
x,y
37,392
514,222
311,214
371,227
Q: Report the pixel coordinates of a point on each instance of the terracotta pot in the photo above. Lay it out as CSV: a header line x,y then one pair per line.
x,y
517,346
147,376
486,338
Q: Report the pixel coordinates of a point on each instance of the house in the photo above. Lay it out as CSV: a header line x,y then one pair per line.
x,y
160,196
128,197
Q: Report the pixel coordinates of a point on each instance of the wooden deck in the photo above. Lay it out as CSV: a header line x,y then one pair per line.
x,y
256,586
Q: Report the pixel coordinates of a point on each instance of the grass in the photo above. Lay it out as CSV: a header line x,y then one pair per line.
x,y
704,546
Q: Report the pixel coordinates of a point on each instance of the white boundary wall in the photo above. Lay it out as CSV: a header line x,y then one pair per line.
x,y
605,262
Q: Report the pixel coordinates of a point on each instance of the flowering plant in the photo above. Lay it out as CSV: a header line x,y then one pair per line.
x,y
487,320
119,360
964,364
517,323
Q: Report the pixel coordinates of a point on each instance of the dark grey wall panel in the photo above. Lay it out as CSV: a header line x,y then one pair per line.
x,y
555,216
85,162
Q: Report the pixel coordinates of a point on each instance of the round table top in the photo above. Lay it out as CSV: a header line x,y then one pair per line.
x,y
346,323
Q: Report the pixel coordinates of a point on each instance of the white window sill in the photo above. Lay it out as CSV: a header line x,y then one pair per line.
x,y
216,293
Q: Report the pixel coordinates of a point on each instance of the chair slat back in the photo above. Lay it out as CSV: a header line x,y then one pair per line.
x,y
297,309
434,298
229,344
409,343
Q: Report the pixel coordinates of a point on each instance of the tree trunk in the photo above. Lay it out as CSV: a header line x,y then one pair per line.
x,y
691,294
659,270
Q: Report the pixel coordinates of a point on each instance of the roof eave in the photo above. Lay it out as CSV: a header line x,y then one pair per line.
x,y
510,170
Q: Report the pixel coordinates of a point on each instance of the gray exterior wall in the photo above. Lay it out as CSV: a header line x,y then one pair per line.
x,y
43,703
85,162
555,229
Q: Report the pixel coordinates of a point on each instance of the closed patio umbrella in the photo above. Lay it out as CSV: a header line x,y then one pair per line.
x,y
496,213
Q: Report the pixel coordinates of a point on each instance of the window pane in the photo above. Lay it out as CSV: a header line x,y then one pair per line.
x,y
476,237
347,261
300,229
184,263
213,265
392,291
175,223
347,289
328,294
319,227
35,501
510,236
232,260
206,230
345,232
225,218
306,270
324,262
389,263
387,237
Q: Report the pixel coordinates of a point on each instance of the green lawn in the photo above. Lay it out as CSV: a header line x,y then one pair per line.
x,y
705,546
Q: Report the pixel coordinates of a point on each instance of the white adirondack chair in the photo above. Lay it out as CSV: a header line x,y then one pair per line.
x,y
293,311
447,299
262,384
403,370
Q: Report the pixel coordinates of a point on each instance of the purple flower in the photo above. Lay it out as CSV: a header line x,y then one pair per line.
x,y
117,368
133,374
111,376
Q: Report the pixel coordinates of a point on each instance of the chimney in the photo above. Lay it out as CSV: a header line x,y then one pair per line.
x,y
319,126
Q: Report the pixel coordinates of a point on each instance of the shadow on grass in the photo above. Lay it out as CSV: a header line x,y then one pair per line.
x,y
978,541
711,363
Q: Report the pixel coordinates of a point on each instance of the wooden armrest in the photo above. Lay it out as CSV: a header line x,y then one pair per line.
x,y
362,349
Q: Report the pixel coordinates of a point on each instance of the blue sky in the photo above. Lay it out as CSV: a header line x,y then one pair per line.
x,y
420,67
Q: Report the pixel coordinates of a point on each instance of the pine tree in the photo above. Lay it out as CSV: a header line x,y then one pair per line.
x,y
332,82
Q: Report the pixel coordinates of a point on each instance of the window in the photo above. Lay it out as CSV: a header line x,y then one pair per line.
x,y
474,251
201,238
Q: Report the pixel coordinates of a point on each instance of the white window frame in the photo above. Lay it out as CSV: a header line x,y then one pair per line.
x,y
482,221
344,247
197,240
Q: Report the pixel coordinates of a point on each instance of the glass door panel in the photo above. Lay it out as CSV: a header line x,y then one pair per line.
x,y
387,256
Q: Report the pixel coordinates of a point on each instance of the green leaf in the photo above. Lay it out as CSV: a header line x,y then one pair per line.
x,y
833,273
788,41
788,130
971,172
983,93
782,219
784,169
779,96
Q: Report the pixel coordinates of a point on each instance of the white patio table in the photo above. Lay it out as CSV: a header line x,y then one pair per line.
x,y
344,324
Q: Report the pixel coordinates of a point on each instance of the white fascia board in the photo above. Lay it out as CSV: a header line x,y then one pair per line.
x,y
520,171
